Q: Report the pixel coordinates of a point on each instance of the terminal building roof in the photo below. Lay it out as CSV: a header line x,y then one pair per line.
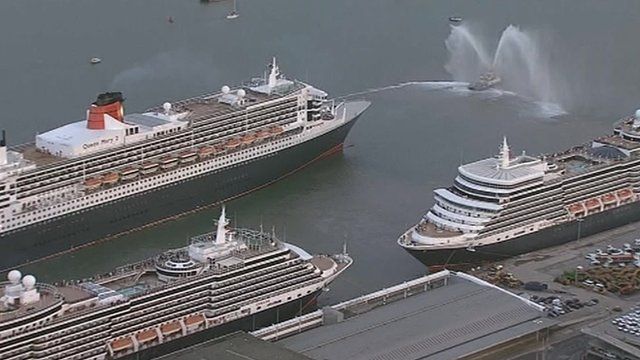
x,y
444,323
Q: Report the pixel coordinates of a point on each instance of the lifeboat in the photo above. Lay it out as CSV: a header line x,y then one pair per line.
x,y
110,178
608,199
129,173
248,139
276,130
576,208
187,156
592,204
122,344
168,162
625,194
263,134
146,336
194,320
92,183
205,151
170,328
232,143
148,167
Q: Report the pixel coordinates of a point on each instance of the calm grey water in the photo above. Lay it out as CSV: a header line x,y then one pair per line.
x,y
410,141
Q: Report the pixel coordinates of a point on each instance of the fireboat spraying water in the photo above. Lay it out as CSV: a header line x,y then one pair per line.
x,y
519,64
485,81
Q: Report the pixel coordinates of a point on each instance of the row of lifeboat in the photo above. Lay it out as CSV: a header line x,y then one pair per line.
x,y
146,336
185,157
596,203
252,137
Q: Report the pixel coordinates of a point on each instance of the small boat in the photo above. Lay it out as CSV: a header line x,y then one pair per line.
x,y
110,178
168,162
187,156
92,183
205,151
455,19
248,139
232,143
486,81
122,344
148,167
129,173
234,13
95,60
263,134
276,130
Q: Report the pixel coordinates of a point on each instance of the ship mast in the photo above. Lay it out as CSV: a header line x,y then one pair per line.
x,y
504,153
221,234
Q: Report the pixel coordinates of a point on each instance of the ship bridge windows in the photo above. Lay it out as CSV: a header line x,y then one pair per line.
x,y
521,184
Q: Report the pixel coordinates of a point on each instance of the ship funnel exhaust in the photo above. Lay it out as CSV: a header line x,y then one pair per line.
x,y
3,149
109,103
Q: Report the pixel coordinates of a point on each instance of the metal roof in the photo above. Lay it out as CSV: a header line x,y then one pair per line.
x,y
491,169
237,346
445,323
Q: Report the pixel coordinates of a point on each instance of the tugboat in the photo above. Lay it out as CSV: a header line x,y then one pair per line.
x,y
485,81
234,13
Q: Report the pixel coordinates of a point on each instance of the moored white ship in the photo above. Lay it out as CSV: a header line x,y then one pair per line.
x,y
508,205
224,281
112,172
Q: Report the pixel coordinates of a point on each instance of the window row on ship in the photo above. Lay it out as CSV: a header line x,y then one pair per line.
x,y
601,173
526,225
462,208
148,183
189,286
190,306
62,348
65,325
201,292
94,347
540,200
41,188
595,190
145,146
489,196
473,187
611,174
499,186
132,152
537,212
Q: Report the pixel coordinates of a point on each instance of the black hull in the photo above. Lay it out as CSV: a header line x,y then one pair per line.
x,y
545,238
262,319
82,228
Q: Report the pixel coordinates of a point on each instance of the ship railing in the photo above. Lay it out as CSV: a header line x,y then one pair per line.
x,y
436,278
263,297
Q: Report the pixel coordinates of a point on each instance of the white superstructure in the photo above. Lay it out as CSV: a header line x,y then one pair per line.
x,y
111,156
505,197
160,300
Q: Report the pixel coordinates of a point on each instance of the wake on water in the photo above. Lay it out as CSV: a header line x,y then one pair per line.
x,y
519,60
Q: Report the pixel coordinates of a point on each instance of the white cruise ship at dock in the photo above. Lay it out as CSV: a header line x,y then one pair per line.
x,y
508,205
114,172
224,281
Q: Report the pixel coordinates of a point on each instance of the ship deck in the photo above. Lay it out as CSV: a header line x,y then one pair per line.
x,y
430,230
201,108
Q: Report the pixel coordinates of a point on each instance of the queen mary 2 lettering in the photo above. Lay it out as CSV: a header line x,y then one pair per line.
x,y
113,172
509,205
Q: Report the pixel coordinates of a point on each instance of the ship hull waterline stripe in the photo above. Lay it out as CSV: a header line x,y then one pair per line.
x,y
548,237
149,209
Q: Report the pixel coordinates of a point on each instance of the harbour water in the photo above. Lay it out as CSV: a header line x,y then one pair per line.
x,y
408,142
